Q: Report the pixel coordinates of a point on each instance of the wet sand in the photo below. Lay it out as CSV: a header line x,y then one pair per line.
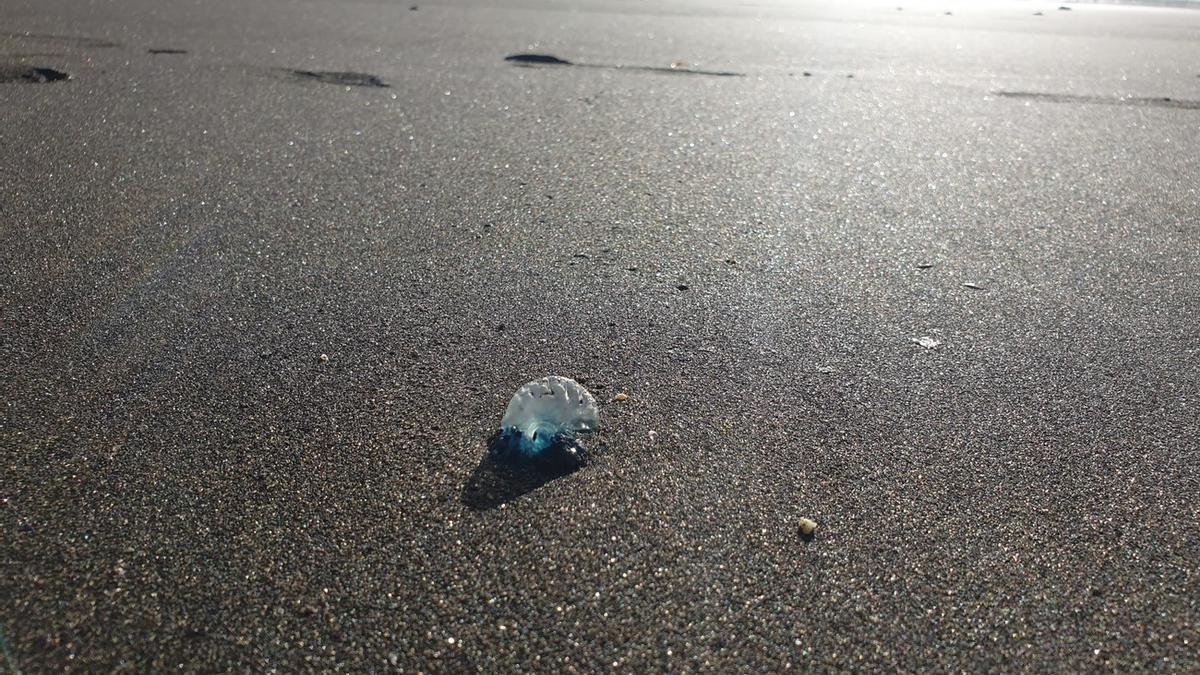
x,y
928,279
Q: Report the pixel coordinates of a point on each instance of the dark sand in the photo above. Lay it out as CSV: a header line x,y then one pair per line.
x,y
185,482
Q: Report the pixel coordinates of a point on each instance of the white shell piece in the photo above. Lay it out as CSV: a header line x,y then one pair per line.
x,y
552,405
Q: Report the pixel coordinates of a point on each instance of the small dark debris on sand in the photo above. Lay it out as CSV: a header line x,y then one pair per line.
x,y
347,78
537,58
674,69
1155,101
30,74
165,50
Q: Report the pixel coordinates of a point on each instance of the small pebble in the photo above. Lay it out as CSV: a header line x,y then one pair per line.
x,y
620,397
324,358
927,342
808,526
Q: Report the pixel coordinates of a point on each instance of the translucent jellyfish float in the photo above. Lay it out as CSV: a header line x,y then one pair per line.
x,y
544,420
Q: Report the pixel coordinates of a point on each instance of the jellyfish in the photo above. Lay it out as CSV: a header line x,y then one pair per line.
x,y
545,418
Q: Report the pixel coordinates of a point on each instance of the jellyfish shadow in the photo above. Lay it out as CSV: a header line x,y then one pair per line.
x,y
504,474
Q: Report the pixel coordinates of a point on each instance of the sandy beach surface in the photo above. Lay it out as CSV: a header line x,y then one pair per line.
x,y
928,275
